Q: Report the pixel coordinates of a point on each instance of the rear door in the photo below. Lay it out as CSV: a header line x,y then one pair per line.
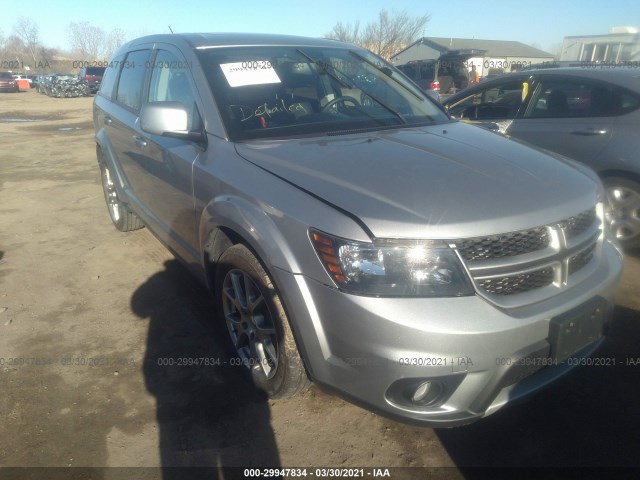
x,y
568,115
123,126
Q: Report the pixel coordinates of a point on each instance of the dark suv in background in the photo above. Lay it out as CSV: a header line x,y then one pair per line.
x,y
445,76
92,77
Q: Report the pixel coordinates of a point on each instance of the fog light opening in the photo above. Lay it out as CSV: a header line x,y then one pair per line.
x,y
421,392
426,393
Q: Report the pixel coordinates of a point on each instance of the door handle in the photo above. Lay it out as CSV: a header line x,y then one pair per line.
x,y
139,141
588,132
107,120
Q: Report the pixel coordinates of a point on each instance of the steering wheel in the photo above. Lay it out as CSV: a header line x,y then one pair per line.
x,y
345,98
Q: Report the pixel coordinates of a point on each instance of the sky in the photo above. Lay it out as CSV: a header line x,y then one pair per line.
x,y
543,23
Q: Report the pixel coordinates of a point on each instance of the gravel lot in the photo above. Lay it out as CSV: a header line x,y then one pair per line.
x,y
88,312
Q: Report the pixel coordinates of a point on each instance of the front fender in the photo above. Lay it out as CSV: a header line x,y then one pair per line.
x,y
254,224
270,215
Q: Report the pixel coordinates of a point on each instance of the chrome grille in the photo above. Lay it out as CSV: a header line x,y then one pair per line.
x,y
496,262
524,282
579,261
574,226
505,245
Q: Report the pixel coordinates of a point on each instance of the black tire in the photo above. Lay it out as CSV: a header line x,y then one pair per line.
x,y
260,338
623,210
123,218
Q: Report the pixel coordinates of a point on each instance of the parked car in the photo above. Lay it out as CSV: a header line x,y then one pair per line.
x,y
44,84
350,231
66,85
91,77
8,83
22,77
590,115
445,76
34,80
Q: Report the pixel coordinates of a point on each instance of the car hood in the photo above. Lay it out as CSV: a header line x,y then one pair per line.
x,y
446,181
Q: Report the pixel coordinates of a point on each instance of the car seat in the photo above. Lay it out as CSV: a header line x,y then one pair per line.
x,y
557,105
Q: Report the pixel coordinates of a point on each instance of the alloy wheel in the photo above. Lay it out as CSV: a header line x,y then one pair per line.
x,y
111,194
250,324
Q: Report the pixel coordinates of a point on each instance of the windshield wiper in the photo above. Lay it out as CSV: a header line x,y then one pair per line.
x,y
326,68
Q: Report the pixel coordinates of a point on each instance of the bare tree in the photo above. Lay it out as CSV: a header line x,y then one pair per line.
x,y
87,40
14,48
27,31
47,58
114,40
93,43
345,32
386,36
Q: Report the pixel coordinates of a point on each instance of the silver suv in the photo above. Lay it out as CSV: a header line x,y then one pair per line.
x,y
352,233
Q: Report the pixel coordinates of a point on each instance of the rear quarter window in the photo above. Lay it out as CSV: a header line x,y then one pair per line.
x,y
109,78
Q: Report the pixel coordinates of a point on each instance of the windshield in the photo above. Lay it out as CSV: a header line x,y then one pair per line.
x,y
271,92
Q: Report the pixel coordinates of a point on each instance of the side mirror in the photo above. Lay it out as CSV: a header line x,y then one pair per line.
x,y
168,119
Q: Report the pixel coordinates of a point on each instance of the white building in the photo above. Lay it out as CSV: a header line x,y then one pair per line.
x,y
622,44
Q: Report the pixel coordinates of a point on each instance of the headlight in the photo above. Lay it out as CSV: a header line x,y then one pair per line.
x,y
392,268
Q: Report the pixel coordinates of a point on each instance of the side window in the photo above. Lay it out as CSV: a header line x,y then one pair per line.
x,y
131,84
627,101
574,98
170,83
494,103
464,108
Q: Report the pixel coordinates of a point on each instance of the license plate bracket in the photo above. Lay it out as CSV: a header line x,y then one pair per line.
x,y
577,328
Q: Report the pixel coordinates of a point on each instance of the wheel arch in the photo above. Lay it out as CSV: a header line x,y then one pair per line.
x,y
229,220
105,155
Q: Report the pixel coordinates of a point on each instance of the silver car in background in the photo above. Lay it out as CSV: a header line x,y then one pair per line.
x,y
351,232
589,113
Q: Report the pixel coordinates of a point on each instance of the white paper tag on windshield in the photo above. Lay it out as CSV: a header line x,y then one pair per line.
x,y
256,72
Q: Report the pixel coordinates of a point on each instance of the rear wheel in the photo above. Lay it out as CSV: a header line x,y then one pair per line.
x,y
261,339
123,218
623,212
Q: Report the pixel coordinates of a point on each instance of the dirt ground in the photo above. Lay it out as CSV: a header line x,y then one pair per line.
x,y
86,313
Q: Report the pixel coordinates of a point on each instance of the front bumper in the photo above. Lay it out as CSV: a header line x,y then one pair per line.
x,y
376,351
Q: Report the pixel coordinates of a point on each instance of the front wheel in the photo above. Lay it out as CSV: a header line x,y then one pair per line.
x,y
262,341
623,210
